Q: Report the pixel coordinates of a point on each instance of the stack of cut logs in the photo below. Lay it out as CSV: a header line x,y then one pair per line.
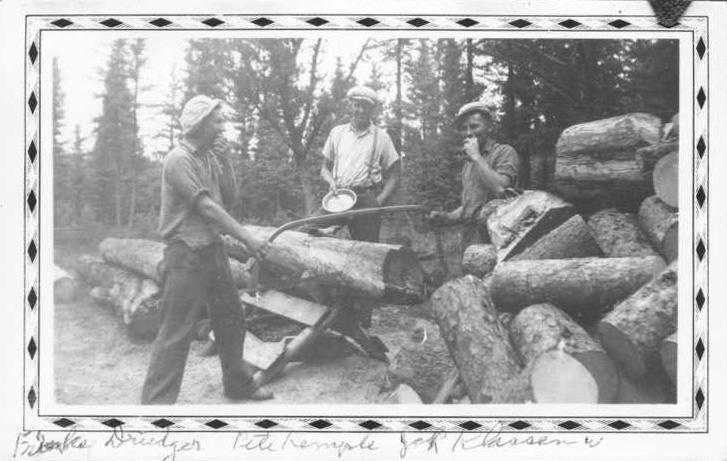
x,y
559,308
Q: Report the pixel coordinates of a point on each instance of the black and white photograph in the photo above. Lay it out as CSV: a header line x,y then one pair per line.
x,y
335,234
458,220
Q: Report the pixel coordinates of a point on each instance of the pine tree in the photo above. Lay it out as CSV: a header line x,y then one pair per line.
x,y
61,183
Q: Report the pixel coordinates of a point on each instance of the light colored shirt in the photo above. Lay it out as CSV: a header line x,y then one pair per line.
x,y
503,159
357,162
186,176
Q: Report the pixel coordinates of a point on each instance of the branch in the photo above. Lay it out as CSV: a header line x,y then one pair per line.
x,y
354,64
312,81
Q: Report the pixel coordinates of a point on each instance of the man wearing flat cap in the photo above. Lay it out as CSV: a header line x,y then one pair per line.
x,y
360,156
489,172
198,182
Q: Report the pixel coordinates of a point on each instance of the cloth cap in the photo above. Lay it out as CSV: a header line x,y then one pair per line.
x,y
363,92
469,108
195,110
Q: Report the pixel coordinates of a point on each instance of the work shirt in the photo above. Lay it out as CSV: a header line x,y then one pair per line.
x,y
503,159
188,174
359,158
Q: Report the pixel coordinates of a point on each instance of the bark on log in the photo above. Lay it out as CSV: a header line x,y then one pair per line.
x,y
666,179
134,298
144,257
646,157
583,287
596,161
479,259
619,235
619,133
572,239
668,354
516,225
543,327
376,270
65,287
476,339
660,223
423,361
633,332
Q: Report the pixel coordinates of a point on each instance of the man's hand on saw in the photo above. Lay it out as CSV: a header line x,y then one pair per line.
x,y
438,217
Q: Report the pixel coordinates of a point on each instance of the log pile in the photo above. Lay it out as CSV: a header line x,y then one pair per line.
x,y
573,303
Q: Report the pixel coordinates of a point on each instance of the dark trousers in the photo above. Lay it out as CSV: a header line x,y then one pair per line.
x,y
191,280
362,228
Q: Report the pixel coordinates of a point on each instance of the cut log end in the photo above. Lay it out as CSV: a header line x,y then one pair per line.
x,y
603,371
668,354
559,378
479,259
666,179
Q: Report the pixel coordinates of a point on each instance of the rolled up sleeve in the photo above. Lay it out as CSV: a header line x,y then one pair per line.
x,y
507,163
181,174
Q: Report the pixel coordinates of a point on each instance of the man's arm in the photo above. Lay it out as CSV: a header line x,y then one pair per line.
x,y
326,166
392,177
216,214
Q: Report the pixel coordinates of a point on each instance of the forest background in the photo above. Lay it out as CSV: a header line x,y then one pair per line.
x,y
284,96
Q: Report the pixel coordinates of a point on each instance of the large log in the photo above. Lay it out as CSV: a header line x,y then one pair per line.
x,y
583,287
633,331
65,287
618,234
596,161
517,224
375,270
145,256
666,179
134,298
423,361
477,341
668,354
660,223
572,239
479,259
542,327
618,133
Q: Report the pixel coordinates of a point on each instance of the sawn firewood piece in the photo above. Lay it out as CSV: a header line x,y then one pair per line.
x,y
583,287
543,327
519,223
619,235
660,223
646,157
633,331
572,239
477,341
668,354
479,259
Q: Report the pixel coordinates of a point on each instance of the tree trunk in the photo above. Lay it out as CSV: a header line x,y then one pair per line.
x,y
660,223
611,135
572,239
583,287
479,259
646,157
666,179
618,234
668,354
542,327
476,339
65,287
633,332
144,257
519,223
133,297
375,270
423,361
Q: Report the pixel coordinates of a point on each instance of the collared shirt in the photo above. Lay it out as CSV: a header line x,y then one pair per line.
x,y
187,174
503,159
357,162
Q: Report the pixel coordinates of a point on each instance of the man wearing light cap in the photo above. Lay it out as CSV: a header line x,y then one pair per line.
x,y
489,172
360,156
198,182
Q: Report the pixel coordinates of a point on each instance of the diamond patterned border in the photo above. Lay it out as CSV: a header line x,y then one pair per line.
x,y
700,193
